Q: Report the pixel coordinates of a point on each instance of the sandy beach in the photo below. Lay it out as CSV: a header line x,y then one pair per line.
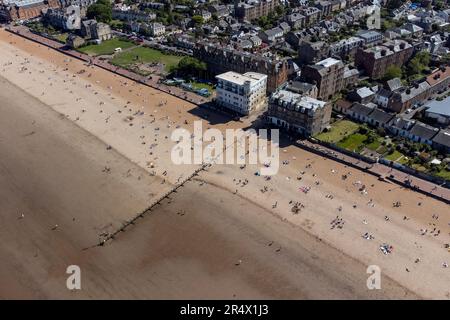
x,y
86,150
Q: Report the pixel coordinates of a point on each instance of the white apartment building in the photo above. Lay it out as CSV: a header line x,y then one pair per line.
x,y
242,93
157,29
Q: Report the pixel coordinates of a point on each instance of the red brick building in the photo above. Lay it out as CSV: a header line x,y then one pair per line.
x,y
439,80
250,10
376,60
222,59
14,10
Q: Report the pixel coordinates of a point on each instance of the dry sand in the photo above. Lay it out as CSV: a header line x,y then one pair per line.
x,y
188,252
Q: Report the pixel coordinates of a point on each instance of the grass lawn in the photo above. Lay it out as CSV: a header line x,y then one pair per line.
x,y
444,173
199,85
353,142
403,160
61,37
394,156
419,167
145,55
339,130
382,149
374,145
106,47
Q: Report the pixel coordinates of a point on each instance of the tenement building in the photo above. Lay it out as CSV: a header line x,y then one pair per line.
x,y
376,60
327,75
298,113
250,10
68,18
241,93
223,59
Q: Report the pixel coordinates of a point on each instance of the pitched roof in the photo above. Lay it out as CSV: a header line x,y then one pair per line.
x,y
439,107
273,32
412,27
413,92
364,92
442,138
401,123
300,87
284,26
343,104
423,131
438,76
361,109
380,116
394,84
384,93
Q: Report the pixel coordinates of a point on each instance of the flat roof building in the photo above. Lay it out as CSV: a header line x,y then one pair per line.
x,y
241,93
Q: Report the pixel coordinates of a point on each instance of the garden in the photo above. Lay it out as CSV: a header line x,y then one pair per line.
x,y
367,141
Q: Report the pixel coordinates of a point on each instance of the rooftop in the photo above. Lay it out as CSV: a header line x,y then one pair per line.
x,y
22,3
361,109
424,131
380,116
300,87
240,79
328,62
367,34
364,92
438,76
440,107
442,138
401,123
413,92
297,100
394,84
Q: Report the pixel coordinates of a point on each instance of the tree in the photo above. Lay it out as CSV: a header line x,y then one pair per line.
x,y
394,4
198,20
439,5
280,10
419,63
117,25
446,59
392,72
100,11
387,24
191,66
